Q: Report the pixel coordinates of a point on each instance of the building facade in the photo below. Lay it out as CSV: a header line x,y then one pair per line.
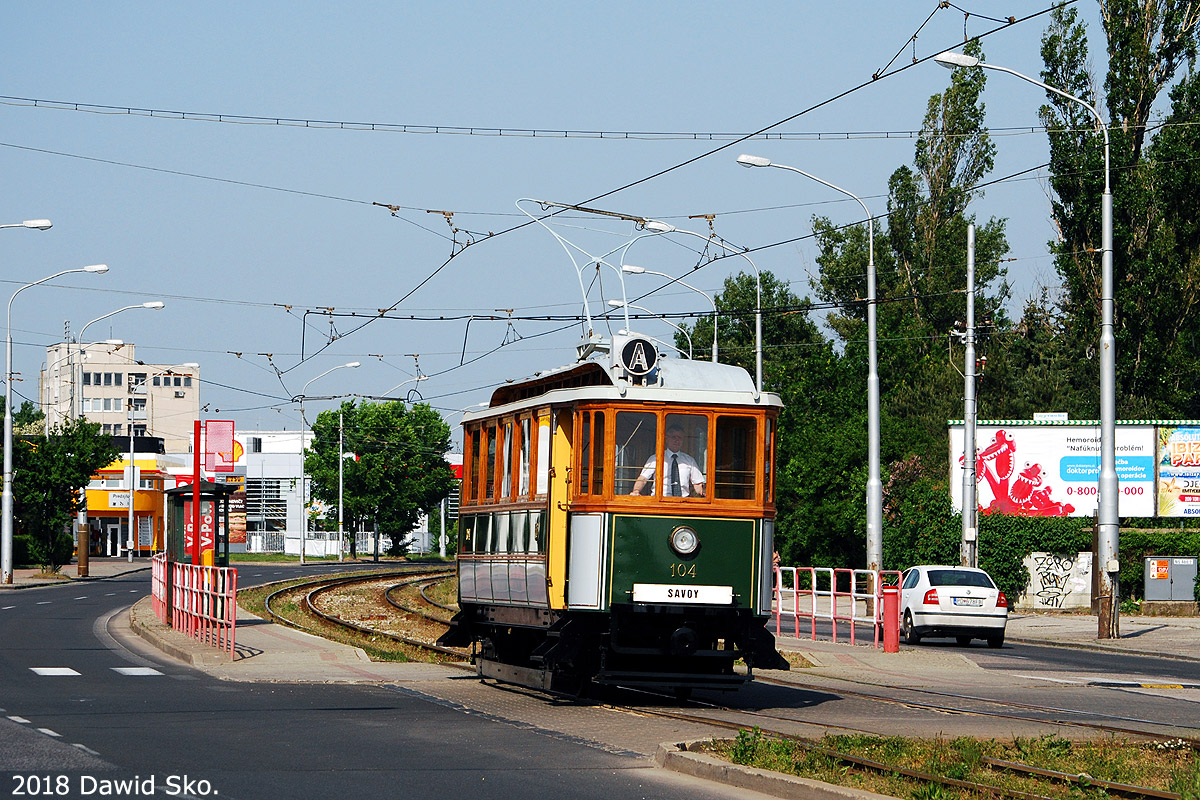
x,y
104,383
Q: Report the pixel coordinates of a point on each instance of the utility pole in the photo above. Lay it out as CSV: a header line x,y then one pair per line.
x,y
969,552
341,484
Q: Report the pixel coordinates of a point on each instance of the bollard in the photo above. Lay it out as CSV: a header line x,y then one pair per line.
x,y
891,619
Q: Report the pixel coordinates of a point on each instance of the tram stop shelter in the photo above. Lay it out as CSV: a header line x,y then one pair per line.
x,y
214,523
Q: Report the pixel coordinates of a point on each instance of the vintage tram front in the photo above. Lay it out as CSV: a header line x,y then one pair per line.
x,y
616,526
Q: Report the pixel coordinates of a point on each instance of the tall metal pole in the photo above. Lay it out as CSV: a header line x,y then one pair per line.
x,y
6,503
341,484
1108,523
969,554
132,485
874,483
442,527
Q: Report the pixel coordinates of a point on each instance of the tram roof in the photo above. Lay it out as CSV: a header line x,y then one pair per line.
x,y
676,380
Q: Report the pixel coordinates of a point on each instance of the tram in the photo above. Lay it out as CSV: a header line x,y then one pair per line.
x,y
616,525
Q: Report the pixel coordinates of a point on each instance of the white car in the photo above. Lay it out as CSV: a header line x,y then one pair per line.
x,y
952,601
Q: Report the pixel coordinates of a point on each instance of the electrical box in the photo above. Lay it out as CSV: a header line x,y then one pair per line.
x,y
1170,578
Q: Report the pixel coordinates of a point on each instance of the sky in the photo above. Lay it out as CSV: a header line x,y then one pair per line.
x,y
238,160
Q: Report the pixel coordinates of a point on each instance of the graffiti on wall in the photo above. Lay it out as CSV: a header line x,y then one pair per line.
x,y
1058,581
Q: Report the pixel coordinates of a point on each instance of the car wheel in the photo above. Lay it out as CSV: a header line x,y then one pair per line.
x,y
910,634
963,641
996,640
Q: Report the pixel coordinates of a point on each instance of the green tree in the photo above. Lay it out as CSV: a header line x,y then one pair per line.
x,y
1156,256
48,472
397,472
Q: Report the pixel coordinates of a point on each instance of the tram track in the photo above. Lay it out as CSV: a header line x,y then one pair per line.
x,y
308,596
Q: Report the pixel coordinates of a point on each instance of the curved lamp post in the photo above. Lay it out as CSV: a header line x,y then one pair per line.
x,y
630,269
1108,523
874,484
662,227
36,224
153,304
303,474
626,306
6,506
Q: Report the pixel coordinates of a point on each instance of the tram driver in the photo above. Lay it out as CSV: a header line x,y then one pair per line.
x,y
681,475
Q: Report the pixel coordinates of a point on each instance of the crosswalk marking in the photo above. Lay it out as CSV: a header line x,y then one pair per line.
x,y
54,671
136,671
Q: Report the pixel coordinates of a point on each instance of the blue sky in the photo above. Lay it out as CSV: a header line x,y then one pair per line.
x,y
241,226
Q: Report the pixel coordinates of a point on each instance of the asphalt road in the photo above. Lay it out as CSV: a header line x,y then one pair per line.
x,y
85,717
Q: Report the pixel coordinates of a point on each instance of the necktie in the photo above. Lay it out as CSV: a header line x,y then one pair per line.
x,y
676,489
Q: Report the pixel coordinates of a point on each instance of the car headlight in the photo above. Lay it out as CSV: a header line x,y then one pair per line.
x,y
684,540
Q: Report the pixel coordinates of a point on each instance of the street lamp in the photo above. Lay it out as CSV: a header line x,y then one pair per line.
x,y
417,379
153,304
626,306
874,484
1108,523
630,269
303,476
6,506
36,224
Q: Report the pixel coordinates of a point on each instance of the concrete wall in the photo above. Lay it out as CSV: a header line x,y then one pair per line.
x,y
1057,582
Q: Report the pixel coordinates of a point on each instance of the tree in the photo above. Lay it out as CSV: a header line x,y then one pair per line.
x,y
48,472
1156,255
397,472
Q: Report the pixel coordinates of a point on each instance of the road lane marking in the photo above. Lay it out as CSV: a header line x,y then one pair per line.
x,y
22,720
6,608
44,602
49,732
1052,680
81,597
54,671
85,748
136,671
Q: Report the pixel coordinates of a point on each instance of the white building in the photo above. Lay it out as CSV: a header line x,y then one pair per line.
x,y
106,384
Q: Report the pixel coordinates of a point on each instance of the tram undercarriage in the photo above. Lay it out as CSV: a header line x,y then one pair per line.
x,y
649,646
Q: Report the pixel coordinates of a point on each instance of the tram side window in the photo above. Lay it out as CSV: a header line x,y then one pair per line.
x,y
489,472
523,458
591,453
736,458
473,484
500,533
636,438
466,527
768,456
506,446
537,531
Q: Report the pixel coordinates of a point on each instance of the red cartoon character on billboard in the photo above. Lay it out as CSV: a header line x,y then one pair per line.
x,y
1026,496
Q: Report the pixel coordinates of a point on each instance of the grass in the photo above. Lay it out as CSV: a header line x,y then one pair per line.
x,y
1166,766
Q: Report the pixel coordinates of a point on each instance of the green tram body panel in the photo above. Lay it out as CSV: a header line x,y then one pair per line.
x,y
640,552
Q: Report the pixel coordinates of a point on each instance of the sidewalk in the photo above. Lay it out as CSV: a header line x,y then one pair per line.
x,y
98,568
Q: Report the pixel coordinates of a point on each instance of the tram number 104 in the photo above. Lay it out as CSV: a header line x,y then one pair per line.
x,y
683,570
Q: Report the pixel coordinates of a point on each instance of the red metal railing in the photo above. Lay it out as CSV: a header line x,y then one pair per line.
x,y
204,604
158,586
850,596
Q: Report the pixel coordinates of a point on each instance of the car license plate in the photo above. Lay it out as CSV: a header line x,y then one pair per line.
x,y
968,601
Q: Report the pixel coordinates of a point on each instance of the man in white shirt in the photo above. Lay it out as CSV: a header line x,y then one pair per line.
x,y
681,475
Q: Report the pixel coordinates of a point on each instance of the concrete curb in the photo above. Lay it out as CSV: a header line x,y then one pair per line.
x,y
11,587
678,757
145,624
1099,647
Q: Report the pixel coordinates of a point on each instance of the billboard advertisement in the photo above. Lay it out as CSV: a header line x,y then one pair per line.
x,y
1054,470
1178,471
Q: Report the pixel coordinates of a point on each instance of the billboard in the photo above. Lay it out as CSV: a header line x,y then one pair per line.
x,y
1052,470
1178,471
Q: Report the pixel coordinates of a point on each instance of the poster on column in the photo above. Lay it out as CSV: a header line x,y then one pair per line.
x,y
1053,470
207,526
1178,471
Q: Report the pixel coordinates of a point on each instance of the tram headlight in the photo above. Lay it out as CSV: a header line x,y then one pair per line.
x,y
684,540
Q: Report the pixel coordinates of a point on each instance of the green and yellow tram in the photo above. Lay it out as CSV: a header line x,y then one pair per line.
x,y
616,525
